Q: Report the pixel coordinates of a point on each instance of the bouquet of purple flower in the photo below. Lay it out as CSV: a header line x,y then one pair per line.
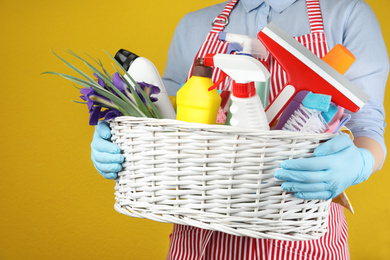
x,y
110,96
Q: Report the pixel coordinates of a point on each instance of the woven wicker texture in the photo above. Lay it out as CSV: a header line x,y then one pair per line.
x,y
214,177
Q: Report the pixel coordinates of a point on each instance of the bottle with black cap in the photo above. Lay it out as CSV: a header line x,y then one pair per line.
x,y
143,70
195,102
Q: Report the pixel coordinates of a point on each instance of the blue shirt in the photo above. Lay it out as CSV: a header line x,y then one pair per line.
x,y
351,23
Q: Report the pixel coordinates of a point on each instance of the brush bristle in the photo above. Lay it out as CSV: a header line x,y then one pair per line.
x,y
306,120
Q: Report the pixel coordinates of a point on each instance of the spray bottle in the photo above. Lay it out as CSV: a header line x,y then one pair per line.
x,y
248,45
246,109
195,103
143,70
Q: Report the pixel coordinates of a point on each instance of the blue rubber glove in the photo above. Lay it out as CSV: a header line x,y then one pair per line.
x,y
105,155
337,164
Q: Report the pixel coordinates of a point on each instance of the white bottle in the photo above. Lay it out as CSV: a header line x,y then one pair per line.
x,y
143,70
246,109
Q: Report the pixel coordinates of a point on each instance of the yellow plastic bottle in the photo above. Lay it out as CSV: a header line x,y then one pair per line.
x,y
195,103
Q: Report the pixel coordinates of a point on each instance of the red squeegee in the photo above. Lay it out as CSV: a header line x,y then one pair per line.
x,y
306,71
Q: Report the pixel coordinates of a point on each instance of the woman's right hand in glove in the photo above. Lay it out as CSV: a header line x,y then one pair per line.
x,y
106,156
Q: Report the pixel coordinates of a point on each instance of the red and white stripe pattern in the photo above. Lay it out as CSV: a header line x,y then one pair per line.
x,y
188,242
191,243
220,21
315,17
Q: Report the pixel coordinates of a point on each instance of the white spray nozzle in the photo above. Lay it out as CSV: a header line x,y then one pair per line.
x,y
249,45
241,68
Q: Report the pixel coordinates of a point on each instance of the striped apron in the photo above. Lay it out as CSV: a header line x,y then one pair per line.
x,y
190,243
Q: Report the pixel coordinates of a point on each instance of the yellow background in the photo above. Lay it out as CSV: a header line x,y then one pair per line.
x,y
53,204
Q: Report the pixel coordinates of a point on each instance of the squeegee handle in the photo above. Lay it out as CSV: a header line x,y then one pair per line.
x,y
279,103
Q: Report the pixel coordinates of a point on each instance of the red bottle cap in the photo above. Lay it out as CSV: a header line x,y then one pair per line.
x,y
244,90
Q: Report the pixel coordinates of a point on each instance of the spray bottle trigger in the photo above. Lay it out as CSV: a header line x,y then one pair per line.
x,y
222,77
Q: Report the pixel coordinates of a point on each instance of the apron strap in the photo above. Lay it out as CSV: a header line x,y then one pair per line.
x,y
222,20
315,17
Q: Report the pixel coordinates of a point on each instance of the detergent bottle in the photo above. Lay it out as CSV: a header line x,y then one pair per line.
x,y
195,103
143,70
246,108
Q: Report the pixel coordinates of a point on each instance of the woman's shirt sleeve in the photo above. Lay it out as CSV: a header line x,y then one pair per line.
x,y
363,37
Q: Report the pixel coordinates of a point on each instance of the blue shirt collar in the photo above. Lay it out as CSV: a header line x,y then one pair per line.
x,y
278,5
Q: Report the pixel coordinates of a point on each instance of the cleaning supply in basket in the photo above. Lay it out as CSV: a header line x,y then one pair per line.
x,y
340,59
306,120
308,117
331,113
317,101
290,108
246,109
195,102
251,46
306,71
338,120
143,70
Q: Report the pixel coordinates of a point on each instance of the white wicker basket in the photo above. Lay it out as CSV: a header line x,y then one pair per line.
x,y
214,177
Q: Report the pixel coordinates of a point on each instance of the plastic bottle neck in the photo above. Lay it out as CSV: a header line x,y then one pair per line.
x,y
244,90
201,70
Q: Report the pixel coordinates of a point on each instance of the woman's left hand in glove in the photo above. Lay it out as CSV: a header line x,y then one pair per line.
x,y
336,165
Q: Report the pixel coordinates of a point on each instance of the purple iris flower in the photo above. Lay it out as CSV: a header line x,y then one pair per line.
x,y
101,107
111,114
93,98
149,90
100,81
118,82
95,103
121,85
95,114
85,92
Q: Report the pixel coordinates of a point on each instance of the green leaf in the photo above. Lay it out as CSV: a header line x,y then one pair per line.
x,y
79,81
75,68
80,102
76,87
108,82
124,104
101,66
